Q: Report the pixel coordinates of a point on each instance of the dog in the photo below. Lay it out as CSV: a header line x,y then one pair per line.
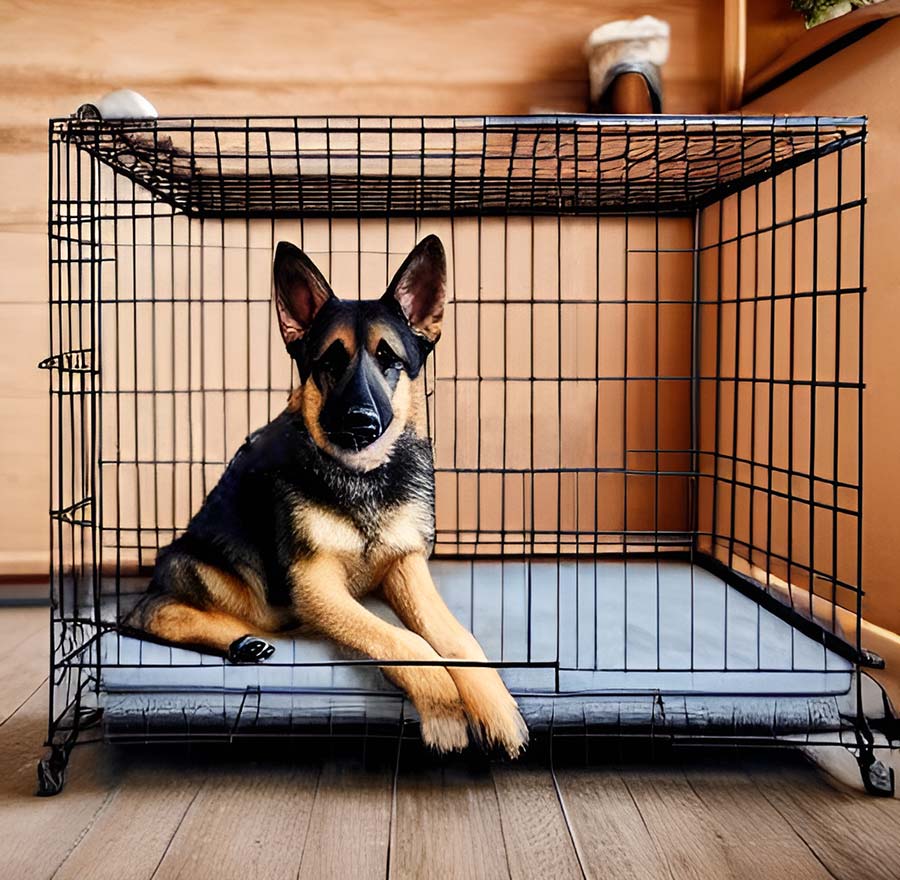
x,y
333,499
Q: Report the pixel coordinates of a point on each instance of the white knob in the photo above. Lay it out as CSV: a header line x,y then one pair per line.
x,y
126,104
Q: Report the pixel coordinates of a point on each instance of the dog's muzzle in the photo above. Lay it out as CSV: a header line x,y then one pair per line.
x,y
360,427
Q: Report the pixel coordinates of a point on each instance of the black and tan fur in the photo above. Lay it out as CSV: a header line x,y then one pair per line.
x,y
334,499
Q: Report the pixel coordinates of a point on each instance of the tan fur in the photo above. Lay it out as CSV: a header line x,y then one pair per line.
x,y
310,406
418,412
324,600
328,532
345,333
183,624
239,609
245,598
379,331
491,710
403,531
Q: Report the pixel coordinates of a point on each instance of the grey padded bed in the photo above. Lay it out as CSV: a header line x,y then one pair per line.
x,y
592,643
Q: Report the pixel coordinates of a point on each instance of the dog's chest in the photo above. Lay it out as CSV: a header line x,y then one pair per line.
x,y
366,552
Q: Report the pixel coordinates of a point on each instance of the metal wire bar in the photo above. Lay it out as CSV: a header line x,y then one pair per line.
x,y
648,361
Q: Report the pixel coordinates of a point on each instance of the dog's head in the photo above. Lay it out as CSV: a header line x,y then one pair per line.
x,y
359,362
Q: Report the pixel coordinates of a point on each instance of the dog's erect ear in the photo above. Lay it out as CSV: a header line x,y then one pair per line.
x,y
418,288
300,291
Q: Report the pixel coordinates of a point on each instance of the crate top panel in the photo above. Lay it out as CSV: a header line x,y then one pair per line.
x,y
351,166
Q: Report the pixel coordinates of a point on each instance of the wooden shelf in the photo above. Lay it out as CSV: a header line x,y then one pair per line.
x,y
766,40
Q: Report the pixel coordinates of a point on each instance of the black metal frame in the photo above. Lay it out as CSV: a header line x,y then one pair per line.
x,y
119,190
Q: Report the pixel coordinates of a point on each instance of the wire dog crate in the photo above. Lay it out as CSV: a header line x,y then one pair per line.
x,y
646,411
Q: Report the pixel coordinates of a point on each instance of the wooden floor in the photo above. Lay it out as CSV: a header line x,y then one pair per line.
x,y
228,813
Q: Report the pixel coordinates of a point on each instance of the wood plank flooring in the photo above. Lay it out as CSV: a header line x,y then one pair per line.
x,y
138,813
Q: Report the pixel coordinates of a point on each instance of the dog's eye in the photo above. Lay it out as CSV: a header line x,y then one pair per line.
x,y
386,358
334,361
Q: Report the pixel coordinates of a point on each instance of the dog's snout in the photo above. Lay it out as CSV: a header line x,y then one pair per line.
x,y
362,418
362,424
358,411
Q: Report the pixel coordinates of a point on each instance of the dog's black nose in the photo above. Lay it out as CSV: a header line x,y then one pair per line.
x,y
362,424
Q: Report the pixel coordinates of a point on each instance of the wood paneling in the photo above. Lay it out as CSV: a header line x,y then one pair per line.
x,y
307,57
777,38
865,78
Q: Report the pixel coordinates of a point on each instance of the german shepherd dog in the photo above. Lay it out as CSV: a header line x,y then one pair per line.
x,y
333,499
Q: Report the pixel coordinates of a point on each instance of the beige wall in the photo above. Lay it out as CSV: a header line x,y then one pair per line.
x,y
799,530
186,381
865,78
404,56
237,56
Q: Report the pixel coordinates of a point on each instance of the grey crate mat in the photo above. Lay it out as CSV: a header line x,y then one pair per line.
x,y
624,643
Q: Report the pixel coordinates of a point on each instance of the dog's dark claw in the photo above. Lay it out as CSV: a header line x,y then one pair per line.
x,y
250,649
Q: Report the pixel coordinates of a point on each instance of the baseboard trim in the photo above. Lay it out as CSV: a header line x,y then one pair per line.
x,y
19,592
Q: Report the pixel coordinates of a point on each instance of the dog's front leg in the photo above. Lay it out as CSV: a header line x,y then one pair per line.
x,y
492,711
323,601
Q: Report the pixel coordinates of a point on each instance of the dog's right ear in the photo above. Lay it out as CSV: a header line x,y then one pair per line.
x,y
300,291
418,289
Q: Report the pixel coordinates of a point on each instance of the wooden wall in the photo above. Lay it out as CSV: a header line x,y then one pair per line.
x,y
237,56
397,56
865,78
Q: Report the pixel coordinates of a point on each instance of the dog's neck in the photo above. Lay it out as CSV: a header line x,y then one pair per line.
x,y
407,474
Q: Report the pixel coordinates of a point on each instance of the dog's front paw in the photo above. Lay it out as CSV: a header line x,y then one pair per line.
x,y
250,649
503,727
493,714
434,694
445,732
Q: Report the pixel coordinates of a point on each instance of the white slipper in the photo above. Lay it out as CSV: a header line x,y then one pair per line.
x,y
639,46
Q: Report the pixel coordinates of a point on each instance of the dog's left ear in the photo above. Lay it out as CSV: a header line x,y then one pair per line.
x,y
300,291
419,288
